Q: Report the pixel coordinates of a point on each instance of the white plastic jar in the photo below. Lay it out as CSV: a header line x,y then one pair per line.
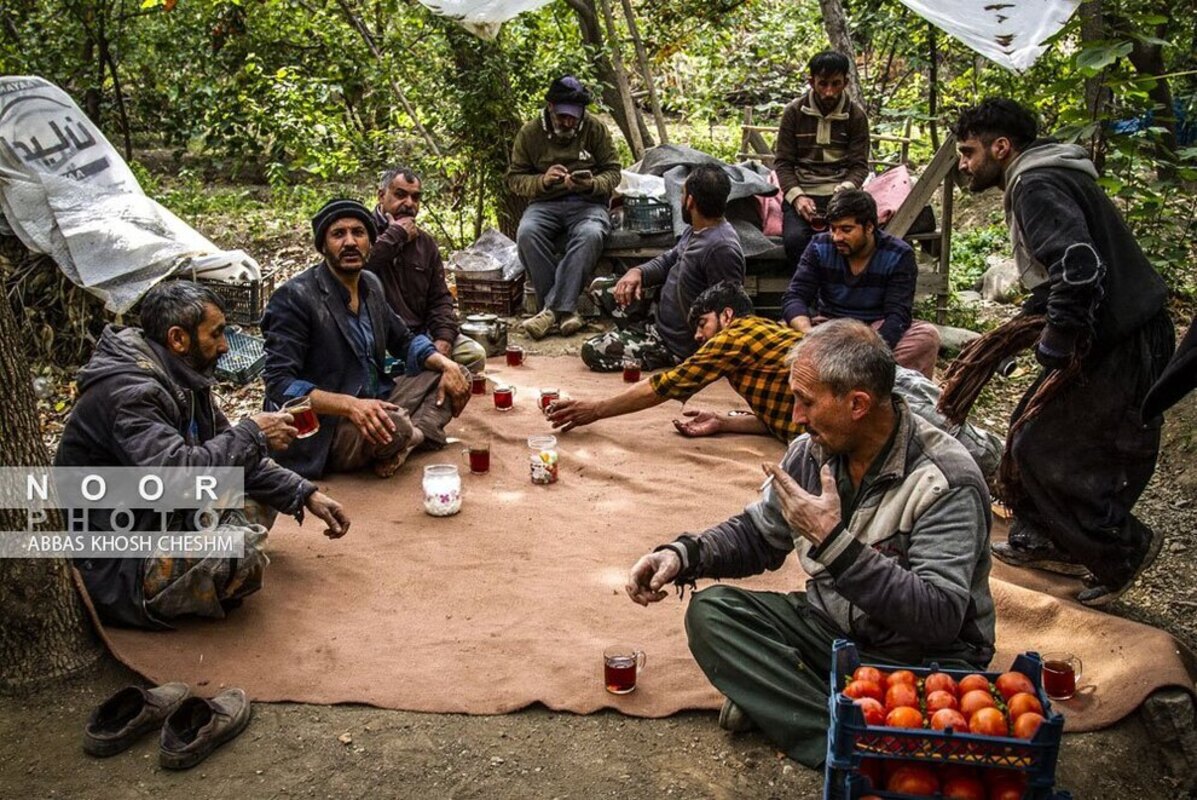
x,y
442,490
543,461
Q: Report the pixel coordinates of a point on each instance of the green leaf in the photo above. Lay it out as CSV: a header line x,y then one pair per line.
x,y
1095,58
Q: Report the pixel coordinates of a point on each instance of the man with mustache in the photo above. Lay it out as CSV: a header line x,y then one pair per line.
x,y
856,270
145,399
565,164
408,262
328,331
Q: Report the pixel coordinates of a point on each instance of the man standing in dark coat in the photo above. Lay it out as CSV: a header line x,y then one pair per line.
x,y
328,331
1081,453
145,400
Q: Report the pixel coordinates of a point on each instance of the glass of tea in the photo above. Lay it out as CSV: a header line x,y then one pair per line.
x,y
818,223
1061,673
515,355
504,397
631,370
477,383
621,664
306,421
547,397
477,454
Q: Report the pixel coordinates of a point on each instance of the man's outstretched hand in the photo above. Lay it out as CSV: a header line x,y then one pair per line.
x,y
649,575
570,414
701,423
331,512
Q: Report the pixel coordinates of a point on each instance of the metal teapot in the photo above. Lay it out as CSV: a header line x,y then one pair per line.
x,y
487,330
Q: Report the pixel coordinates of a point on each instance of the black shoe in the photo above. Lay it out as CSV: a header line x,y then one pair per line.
x,y
1047,558
1102,594
128,715
732,718
199,726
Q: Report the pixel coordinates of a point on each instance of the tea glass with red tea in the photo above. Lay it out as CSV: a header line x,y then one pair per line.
x,y
818,223
621,666
303,416
515,355
504,397
546,398
477,454
631,370
477,383
1061,673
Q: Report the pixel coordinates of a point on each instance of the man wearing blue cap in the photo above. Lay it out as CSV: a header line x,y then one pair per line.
x,y
328,331
565,163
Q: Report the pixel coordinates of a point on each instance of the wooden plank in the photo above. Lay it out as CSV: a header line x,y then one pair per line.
x,y
929,181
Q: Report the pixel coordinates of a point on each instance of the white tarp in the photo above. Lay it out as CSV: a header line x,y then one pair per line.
x,y
482,17
1010,32
65,192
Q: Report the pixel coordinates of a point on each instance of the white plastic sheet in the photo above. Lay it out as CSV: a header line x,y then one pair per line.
x,y
65,192
482,18
1009,32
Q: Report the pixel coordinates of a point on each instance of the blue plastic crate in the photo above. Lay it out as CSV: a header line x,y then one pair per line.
x,y
849,739
245,359
849,785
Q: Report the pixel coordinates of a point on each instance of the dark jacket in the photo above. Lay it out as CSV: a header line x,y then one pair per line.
x,y
139,405
1179,378
309,345
536,148
817,152
413,278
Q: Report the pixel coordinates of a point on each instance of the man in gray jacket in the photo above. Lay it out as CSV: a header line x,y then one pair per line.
x,y
890,518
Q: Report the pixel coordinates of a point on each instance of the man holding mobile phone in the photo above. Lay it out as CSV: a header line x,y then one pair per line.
x,y
565,163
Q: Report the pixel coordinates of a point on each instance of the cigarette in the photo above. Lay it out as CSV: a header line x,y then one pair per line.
x,y
765,485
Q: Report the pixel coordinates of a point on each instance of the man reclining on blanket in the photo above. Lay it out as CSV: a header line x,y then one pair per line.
x,y
890,518
145,400
750,352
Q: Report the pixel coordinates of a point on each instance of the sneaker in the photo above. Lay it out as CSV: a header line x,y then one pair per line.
x,y
199,726
128,715
1102,594
539,326
732,718
572,324
1048,559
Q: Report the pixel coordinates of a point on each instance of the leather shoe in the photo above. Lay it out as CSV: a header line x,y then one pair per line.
x,y
200,725
128,715
732,718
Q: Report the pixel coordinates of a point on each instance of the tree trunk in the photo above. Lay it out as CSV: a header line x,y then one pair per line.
x,y
1148,59
1096,95
595,43
44,633
835,22
621,82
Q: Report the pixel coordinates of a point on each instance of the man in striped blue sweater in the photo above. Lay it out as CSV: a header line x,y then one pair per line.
x,y
856,270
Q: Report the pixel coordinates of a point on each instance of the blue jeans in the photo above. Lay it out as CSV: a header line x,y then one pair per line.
x,y
559,280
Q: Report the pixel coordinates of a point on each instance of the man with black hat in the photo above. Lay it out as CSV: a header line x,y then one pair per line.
x,y
565,163
327,331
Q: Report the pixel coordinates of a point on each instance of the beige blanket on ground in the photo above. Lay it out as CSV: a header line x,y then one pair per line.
x,y
512,601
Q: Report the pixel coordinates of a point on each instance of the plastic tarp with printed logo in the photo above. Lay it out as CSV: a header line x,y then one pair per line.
x,y
482,17
65,192
1009,32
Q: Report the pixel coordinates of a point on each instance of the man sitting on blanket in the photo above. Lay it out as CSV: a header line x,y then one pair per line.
x,y
857,270
328,331
890,518
145,400
750,352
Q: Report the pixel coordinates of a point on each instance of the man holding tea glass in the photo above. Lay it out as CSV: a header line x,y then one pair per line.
x,y
146,401
890,519
328,331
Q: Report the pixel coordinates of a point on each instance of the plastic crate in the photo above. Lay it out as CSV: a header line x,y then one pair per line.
x,y
495,296
245,359
646,215
848,785
245,301
849,739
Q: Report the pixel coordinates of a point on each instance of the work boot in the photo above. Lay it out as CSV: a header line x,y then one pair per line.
x,y
539,326
1029,548
571,324
199,726
732,718
1102,594
129,714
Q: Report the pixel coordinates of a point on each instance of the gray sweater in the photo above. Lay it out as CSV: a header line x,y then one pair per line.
x,y
906,571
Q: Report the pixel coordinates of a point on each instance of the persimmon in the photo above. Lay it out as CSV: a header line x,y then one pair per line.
x,y
1021,703
971,683
901,694
1005,787
904,717
861,688
939,682
874,712
1027,725
941,699
977,699
916,780
1011,683
988,722
900,676
869,674
949,718
963,788
872,770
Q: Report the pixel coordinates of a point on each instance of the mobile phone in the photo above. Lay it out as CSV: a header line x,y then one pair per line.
x,y
581,175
